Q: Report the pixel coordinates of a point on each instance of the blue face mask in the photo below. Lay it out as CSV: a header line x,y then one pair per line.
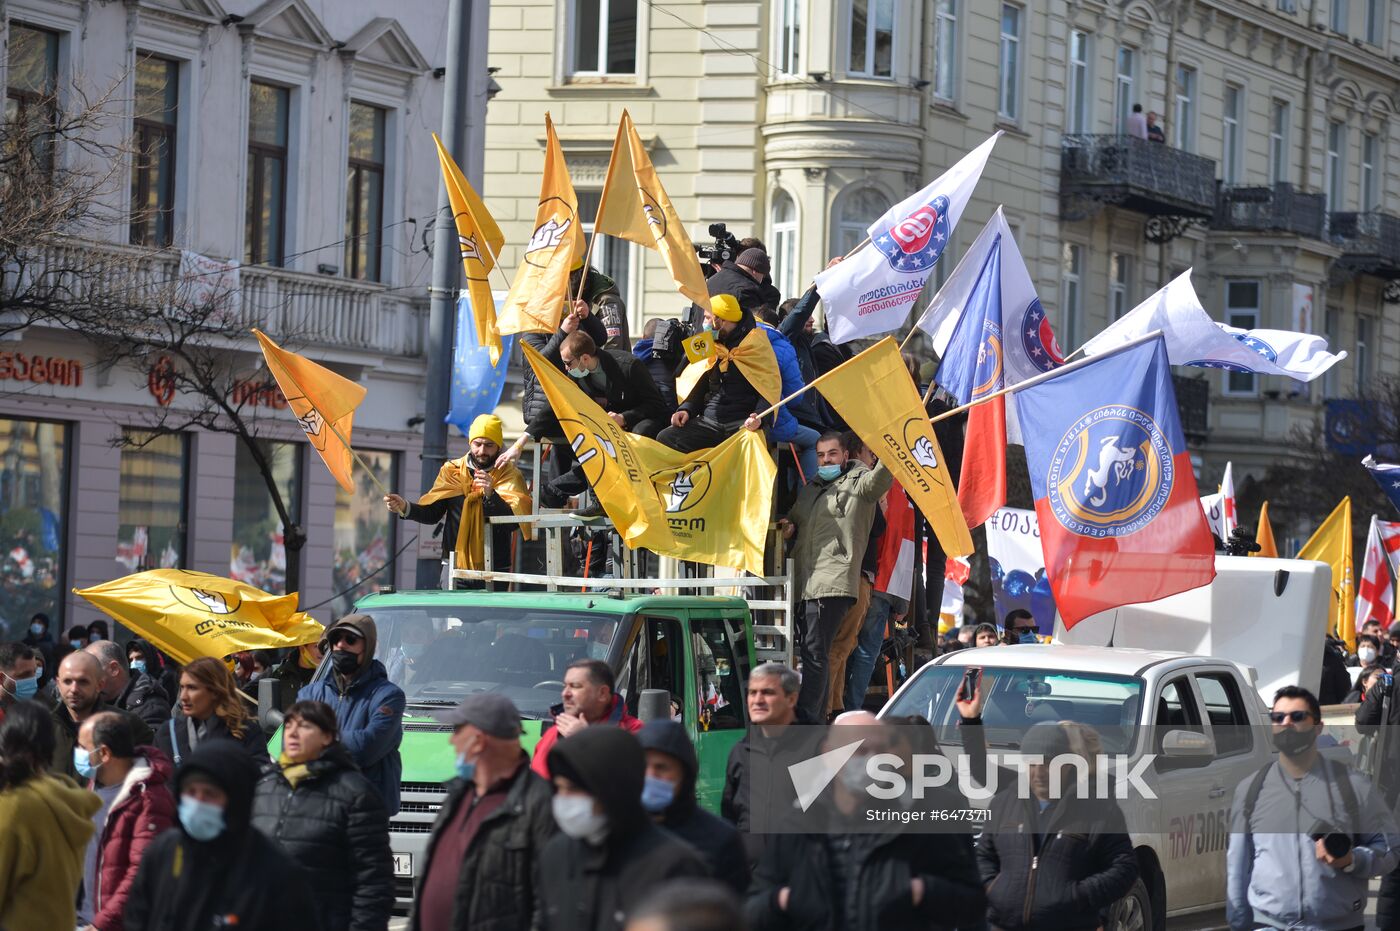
x,y
708,327
657,794
75,644
36,629
202,821
138,666
578,373
1029,636
466,769
27,688
829,473
82,762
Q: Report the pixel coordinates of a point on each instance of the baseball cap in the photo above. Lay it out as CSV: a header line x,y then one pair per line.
x,y
493,713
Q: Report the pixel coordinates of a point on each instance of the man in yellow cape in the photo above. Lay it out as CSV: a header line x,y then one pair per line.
x,y
736,380
467,491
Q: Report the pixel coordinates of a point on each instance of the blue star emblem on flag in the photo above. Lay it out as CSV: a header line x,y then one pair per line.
x,y
914,243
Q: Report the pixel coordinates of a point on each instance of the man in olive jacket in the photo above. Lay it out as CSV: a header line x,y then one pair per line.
x,y
829,525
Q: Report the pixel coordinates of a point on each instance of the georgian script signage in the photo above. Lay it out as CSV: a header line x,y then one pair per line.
x,y
258,394
41,370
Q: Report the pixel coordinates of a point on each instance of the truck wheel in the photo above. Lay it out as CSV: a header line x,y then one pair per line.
x,y
1133,912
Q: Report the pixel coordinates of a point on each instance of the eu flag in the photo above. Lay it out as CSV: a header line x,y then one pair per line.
x,y
1115,494
476,383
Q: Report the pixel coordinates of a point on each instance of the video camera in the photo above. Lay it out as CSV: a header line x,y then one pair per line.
x,y
725,248
1336,843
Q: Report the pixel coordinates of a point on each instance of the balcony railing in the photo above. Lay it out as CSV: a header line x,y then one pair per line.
x,y
311,309
1193,405
1147,177
1277,208
1370,242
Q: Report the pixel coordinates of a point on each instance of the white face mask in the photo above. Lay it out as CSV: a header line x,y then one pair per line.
x,y
1367,655
578,820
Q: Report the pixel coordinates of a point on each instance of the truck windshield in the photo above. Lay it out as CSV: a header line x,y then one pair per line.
x,y
440,654
1015,699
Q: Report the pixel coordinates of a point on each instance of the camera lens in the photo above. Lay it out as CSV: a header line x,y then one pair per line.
x,y
1337,845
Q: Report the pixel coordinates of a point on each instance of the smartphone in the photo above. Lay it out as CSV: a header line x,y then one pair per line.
x,y
970,681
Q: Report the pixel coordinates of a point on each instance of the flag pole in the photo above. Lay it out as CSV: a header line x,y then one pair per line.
x,y
368,471
1045,376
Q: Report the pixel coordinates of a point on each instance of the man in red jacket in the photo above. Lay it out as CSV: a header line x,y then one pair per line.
x,y
588,699
136,808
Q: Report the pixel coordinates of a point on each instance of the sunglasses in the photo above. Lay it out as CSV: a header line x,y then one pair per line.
x,y
347,637
1283,717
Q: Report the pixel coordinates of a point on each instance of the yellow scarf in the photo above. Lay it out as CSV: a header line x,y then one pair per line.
x,y
294,773
455,481
753,355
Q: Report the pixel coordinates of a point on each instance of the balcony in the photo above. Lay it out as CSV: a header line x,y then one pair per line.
x,y
1146,177
1370,243
1193,405
1279,208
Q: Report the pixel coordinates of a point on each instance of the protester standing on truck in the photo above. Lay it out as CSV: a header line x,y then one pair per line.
x,y
1307,833
368,707
589,698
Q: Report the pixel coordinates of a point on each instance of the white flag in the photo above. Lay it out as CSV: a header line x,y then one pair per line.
x,y
1193,338
1229,519
871,292
1214,507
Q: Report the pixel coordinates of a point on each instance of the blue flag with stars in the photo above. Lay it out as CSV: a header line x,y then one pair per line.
x,y
1387,476
476,384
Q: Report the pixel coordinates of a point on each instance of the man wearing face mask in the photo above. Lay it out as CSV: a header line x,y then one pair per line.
x,y
668,795
215,870
609,854
479,870
1020,627
1368,651
368,707
127,689
830,525
41,639
1307,833
19,675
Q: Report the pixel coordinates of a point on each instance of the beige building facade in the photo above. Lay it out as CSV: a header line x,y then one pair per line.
x,y
801,121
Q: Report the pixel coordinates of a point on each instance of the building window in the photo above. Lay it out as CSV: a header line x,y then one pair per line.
x,y
1332,329
1341,13
1288,6
788,16
1242,311
1071,269
1375,21
855,211
872,38
1120,299
1370,171
1230,134
152,501
784,232
153,169
1125,74
611,256
364,535
604,37
259,556
1079,82
31,89
945,51
1363,353
266,223
1009,88
364,195
1184,125
1336,164
33,520
1278,141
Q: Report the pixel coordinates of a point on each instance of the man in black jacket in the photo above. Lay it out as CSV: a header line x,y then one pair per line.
x,y
139,693
742,278
669,797
479,872
533,402
604,302
609,855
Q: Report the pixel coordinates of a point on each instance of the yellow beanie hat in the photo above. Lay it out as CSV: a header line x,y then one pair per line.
x,y
726,307
577,264
488,427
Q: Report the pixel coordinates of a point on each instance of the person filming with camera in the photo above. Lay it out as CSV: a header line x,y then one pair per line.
x,y
1307,833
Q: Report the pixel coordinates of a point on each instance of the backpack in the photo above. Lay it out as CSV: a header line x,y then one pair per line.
x,y
1339,774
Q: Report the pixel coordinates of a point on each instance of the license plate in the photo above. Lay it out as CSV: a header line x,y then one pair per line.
x,y
403,864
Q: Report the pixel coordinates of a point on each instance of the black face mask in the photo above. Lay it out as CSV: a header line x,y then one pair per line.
x,y
344,662
1293,742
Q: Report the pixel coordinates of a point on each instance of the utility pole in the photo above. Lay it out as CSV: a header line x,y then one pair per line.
x,y
446,264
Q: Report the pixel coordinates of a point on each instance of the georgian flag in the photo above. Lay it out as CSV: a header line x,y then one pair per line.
x,y
1375,595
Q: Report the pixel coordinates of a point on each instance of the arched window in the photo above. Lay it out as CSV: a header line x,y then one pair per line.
x,y
783,224
855,211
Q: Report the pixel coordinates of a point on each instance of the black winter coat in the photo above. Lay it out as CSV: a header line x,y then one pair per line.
x,y
878,871
1368,719
726,396
632,392
253,742
1056,871
755,757
730,279
334,824
496,884
145,698
533,402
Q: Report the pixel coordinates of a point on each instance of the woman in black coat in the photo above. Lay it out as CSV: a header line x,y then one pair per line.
x,y
210,708
323,814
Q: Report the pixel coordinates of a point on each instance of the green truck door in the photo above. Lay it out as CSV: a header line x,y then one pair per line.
x,y
715,711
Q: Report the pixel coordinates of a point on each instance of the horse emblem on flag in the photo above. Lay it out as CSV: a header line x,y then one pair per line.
x,y
1111,473
914,243
1038,339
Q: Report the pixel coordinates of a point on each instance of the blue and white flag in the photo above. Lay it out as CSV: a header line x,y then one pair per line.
x,y
1193,338
871,292
1387,476
476,383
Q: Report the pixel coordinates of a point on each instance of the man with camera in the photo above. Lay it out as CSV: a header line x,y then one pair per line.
x,y
1307,832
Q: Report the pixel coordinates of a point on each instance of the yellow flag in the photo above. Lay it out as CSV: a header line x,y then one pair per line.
x,y
754,356
480,240
635,207
701,346
541,286
324,404
1332,544
194,614
875,395
1264,535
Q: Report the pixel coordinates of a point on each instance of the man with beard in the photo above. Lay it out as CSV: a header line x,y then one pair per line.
x,y
467,491
80,681
1307,833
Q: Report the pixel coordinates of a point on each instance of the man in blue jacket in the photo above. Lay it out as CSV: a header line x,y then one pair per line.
x,y
368,707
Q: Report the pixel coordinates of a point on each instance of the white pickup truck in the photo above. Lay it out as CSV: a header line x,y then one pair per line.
x,y
1201,717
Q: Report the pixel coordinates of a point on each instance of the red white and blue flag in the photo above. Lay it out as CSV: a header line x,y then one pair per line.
x,y
1375,595
871,292
1387,476
1115,494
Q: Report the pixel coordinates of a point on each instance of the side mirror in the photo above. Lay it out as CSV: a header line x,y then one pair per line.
x,y
1183,749
654,705
270,705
